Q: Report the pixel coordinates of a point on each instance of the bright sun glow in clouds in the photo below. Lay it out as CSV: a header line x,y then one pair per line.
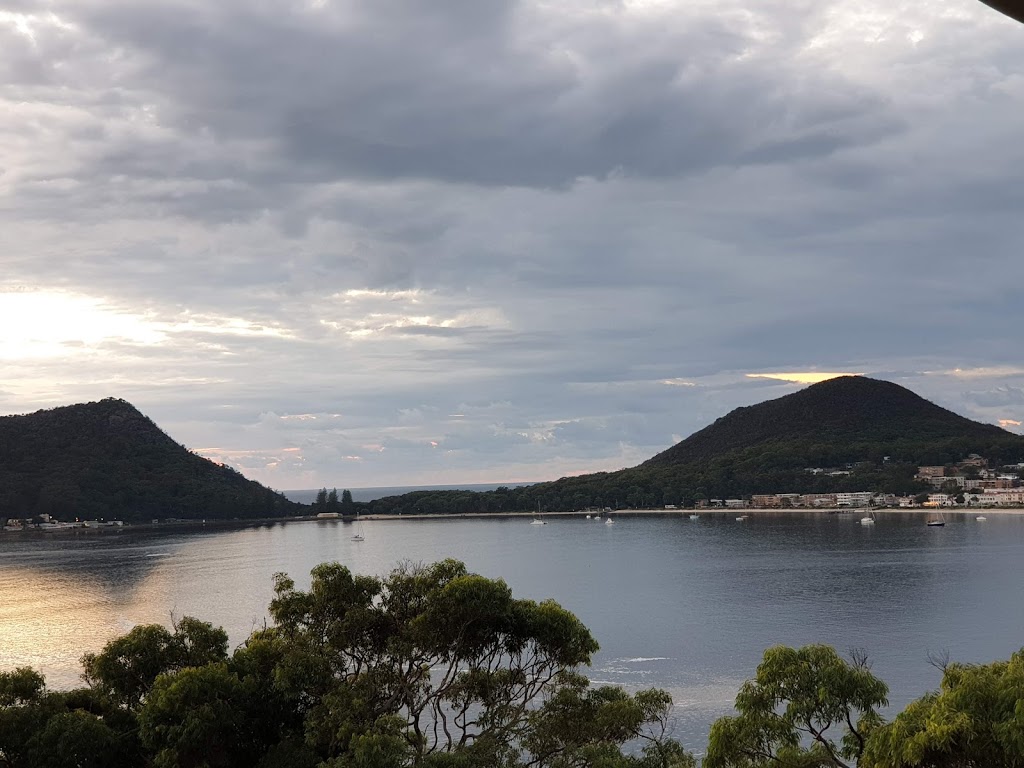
x,y
802,377
39,324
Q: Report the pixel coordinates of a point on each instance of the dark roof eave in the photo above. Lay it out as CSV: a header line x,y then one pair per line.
x,y
1012,8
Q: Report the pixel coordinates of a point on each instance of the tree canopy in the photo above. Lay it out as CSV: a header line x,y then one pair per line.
x,y
436,667
429,666
805,707
106,460
976,718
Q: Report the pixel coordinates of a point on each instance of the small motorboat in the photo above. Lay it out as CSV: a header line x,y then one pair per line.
x,y
588,517
695,517
981,518
741,518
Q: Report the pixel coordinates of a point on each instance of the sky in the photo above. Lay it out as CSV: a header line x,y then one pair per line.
x,y
351,243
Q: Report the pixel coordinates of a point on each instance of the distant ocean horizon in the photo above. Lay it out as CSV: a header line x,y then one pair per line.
x,y
308,496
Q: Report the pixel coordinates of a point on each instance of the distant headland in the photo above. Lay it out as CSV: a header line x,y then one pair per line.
x,y
850,439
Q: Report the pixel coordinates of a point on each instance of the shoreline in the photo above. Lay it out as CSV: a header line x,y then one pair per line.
x,y
763,512
237,524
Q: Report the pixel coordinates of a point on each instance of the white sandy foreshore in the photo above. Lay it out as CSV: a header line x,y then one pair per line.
x,y
713,513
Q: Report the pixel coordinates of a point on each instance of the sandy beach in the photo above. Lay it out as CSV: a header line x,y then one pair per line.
x,y
716,513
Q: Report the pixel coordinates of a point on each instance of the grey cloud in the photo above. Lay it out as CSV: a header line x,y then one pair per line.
x,y
997,397
603,196
391,90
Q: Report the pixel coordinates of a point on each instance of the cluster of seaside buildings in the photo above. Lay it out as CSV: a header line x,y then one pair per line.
x,y
967,483
47,523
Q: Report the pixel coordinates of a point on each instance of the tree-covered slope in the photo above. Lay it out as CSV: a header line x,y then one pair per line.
x,y
107,460
880,429
838,415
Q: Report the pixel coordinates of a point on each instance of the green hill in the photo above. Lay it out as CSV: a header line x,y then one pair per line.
x,y
877,430
850,418
107,460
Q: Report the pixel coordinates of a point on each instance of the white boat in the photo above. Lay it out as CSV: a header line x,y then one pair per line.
x,y
537,521
695,517
609,521
936,522
869,520
588,517
741,518
981,518
358,537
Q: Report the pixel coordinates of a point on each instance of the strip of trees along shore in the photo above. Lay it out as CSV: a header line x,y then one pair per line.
x,y
432,666
328,502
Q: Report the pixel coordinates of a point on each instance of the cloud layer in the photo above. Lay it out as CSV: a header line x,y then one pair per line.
x,y
373,242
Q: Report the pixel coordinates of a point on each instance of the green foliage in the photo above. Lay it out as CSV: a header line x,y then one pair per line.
x,y
764,448
42,729
22,686
845,420
78,739
480,658
792,711
429,666
106,460
435,667
199,717
126,669
976,718
580,723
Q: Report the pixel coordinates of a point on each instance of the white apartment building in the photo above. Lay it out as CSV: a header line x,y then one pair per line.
x,y
994,497
854,499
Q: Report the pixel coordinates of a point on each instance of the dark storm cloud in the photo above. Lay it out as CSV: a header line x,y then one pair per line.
x,y
488,93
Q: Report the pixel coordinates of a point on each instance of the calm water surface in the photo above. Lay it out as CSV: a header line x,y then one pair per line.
x,y
684,605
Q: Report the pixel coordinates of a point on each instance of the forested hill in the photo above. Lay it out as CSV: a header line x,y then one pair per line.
x,y
826,420
107,460
876,430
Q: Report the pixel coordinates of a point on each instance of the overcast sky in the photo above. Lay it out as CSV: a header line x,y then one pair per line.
x,y
368,242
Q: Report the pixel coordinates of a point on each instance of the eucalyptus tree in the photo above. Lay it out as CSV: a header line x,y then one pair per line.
x,y
976,718
436,666
427,667
805,708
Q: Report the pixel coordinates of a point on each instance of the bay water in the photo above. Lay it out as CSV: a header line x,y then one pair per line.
x,y
680,604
